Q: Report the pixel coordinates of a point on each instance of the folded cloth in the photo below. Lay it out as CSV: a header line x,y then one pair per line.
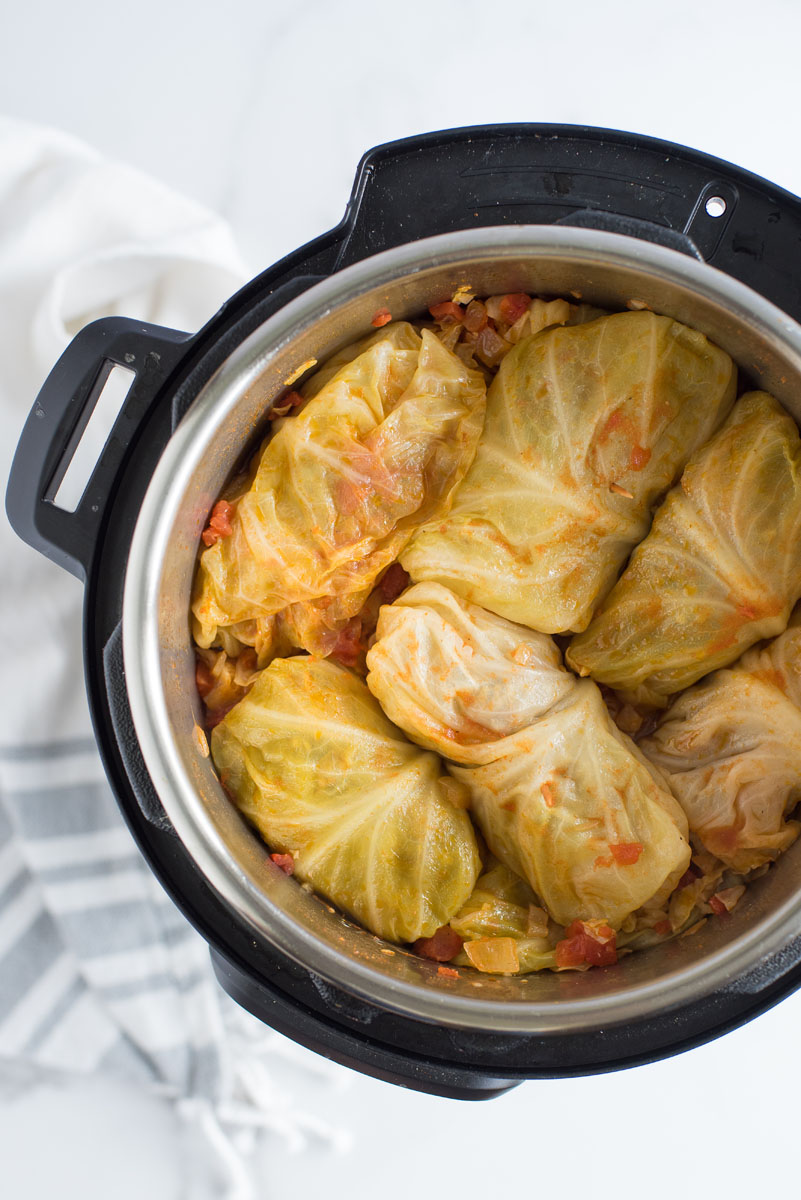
x,y
99,972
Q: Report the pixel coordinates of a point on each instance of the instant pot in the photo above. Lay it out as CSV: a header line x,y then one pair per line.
x,y
610,218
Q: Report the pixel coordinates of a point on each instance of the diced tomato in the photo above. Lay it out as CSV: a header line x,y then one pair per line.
x,y
221,518
382,317
348,646
512,306
570,953
584,942
283,406
219,524
690,875
626,853
285,861
663,927
215,715
447,313
717,906
599,954
394,581
601,951
203,678
442,946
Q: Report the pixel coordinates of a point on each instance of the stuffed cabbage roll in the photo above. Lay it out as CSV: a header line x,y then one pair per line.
x,y
309,758
457,678
572,806
340,487
586,427
720,569
731,750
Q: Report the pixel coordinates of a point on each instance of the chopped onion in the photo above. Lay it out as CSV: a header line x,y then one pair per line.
x,y
493,307
537,923
491,347
494,955
449,336
544,313
729,897
463,294
475,317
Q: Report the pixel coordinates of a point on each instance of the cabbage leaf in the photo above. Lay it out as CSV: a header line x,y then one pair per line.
x,y
586,427
388,429
500,906
730,748
720,569
310,759
457,678
572,806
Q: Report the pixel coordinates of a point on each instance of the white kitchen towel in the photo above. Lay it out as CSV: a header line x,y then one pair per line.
x,y
99,972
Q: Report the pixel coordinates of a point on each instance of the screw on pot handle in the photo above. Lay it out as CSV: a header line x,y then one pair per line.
x,y
37,510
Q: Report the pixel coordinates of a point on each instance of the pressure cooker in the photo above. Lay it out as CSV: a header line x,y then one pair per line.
x,y
609,217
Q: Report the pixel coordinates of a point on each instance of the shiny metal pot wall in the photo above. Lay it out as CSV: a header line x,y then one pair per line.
x,y
602,268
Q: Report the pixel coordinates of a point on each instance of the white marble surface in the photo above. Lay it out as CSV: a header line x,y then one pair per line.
x,y
262,111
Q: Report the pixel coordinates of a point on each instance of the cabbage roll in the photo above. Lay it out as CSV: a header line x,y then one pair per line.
x,y
572,806
720,569
731,750
457,678
310,759
586,427
386,433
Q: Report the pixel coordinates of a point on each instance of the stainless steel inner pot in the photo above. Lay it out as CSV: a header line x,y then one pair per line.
x,y
604,269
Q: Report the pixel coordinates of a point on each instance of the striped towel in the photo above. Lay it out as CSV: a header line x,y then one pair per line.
x,y
99,972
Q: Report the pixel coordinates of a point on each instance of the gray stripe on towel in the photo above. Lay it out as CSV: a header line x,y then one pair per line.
x,y
16,883
154,982
56,1014
38,751
69,872
26,960
78,808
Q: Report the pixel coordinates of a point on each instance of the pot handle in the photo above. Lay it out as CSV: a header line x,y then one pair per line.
x,y
57,421
646,231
